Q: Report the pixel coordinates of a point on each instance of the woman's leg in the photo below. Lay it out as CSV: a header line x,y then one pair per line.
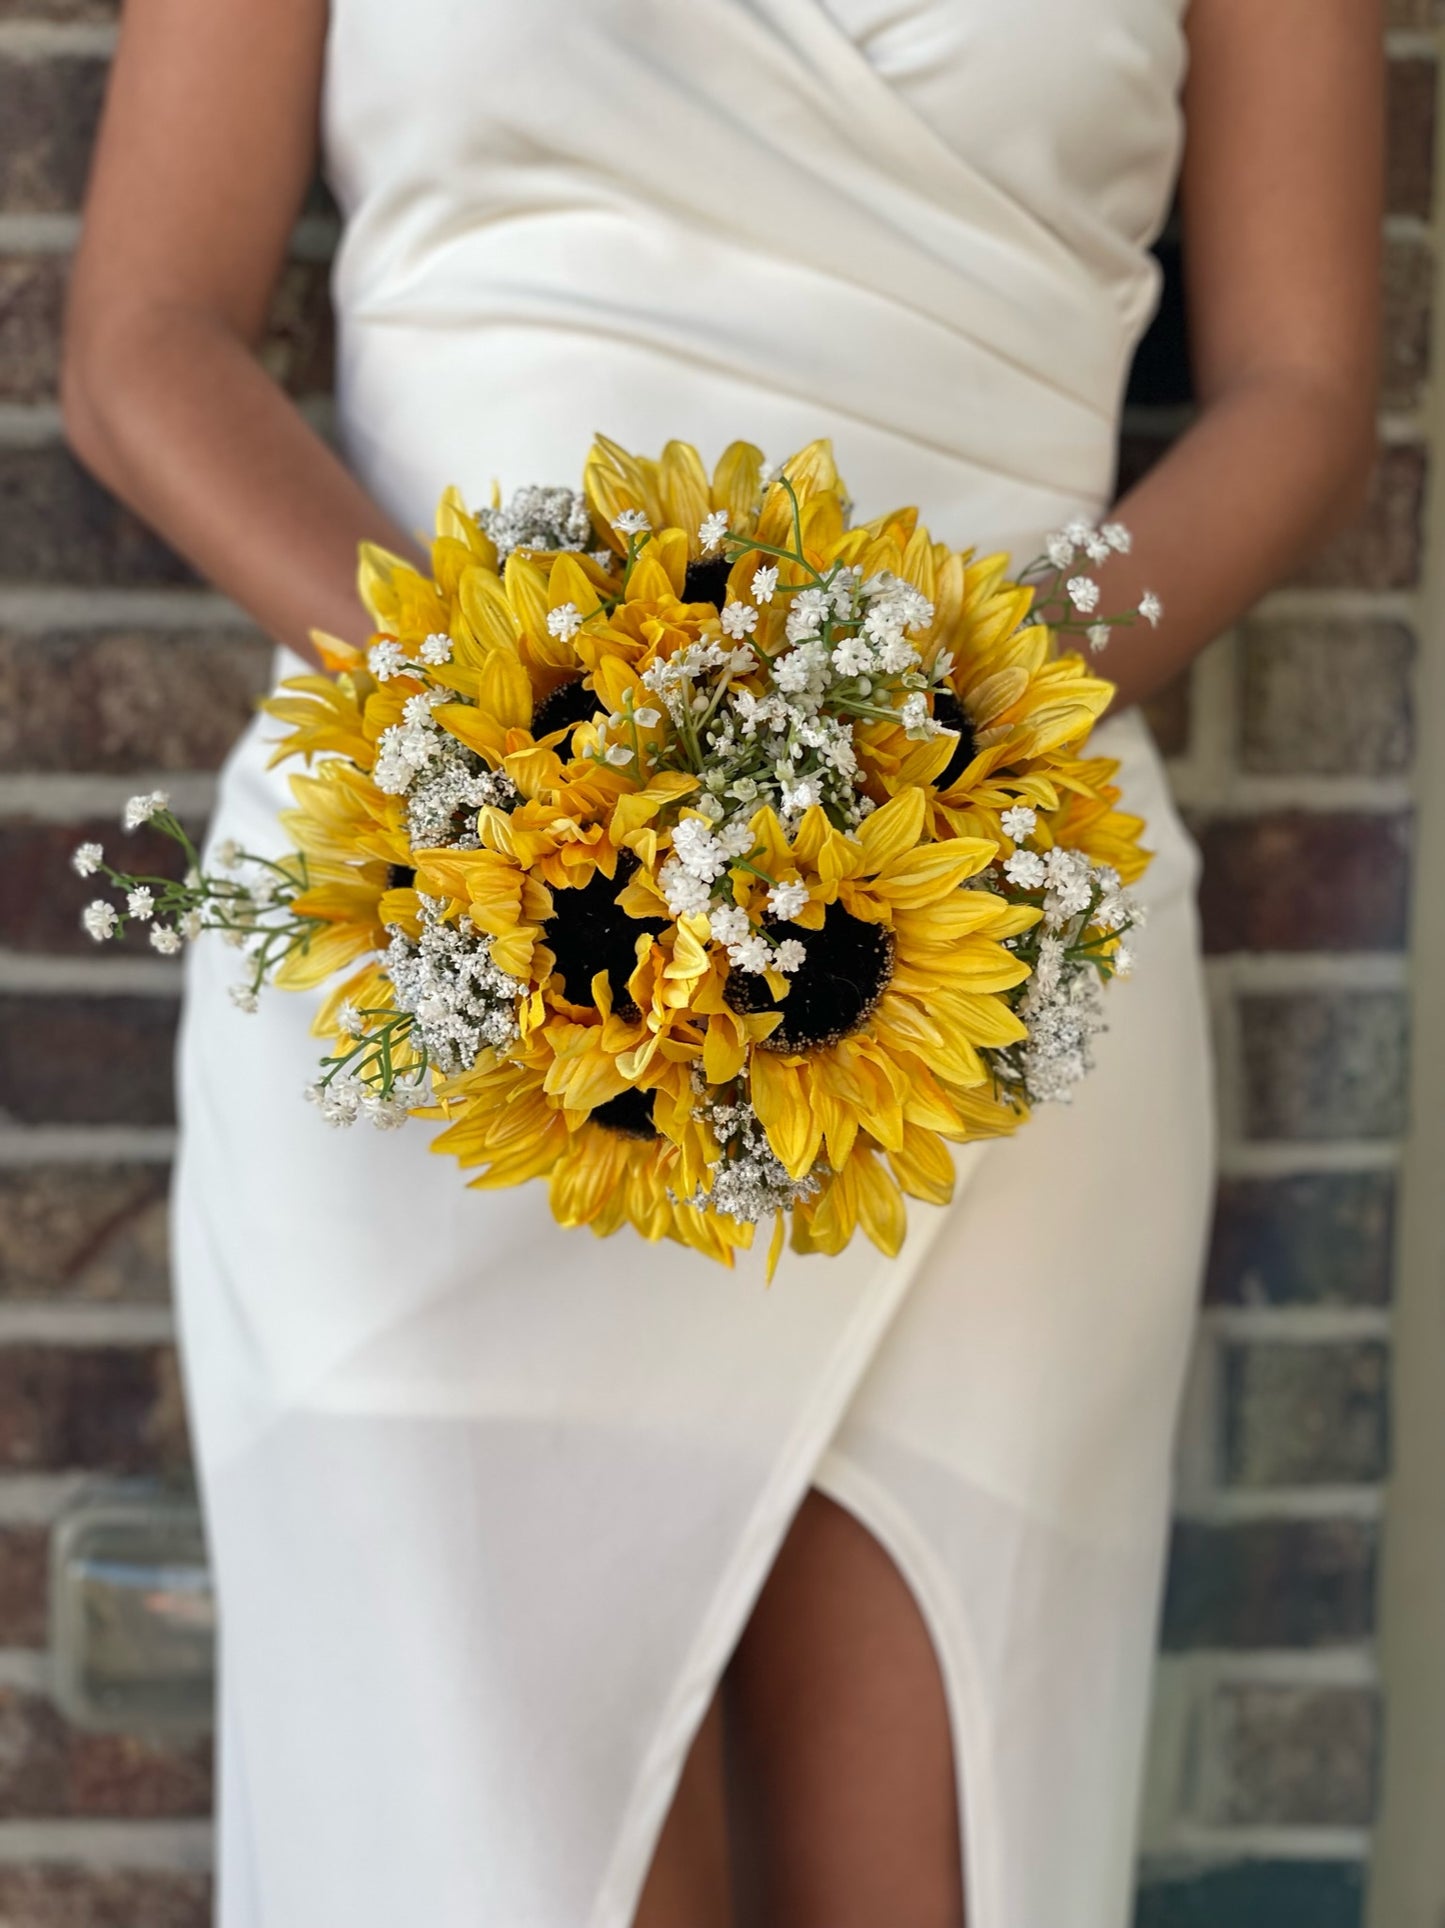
x,y
689,1884
847,1808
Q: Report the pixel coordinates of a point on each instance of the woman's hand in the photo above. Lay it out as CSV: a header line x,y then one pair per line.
x,y
207,146
1281,198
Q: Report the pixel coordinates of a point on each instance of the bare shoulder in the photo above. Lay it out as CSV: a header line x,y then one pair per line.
x,y
1282,188
207,143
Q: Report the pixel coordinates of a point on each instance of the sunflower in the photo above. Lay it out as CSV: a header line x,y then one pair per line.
x,y
358,874
879,1034
613,994
607,1166
1011,705
744,497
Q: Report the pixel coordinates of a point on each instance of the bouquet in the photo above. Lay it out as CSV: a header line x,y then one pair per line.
x,y
689,846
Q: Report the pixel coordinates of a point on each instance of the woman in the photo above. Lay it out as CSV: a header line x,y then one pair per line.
x,y
517,1534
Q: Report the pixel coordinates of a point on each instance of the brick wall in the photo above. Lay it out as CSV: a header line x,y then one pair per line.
x,y
1292,757
1291,748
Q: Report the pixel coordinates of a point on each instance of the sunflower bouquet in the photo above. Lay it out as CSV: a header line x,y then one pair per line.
x,y
691,847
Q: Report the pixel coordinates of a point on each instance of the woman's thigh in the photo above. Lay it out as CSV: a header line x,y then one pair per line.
x,y
843,1784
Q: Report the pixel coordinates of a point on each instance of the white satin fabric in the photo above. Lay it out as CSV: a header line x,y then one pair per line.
x,y
489,1501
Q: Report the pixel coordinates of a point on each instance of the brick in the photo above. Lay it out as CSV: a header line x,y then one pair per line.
x,y
1168,716
41,897
1410,153
1382,550
50,1769
1304,1414
1326,699
1314,1238
1405,340
1324,1064
93,1232
49,109
57,525
124,700
1301,880
102,1408
1255,1894
297,350
87,1060
32,289
1269,1583
1290,1756
49,1896
24,1585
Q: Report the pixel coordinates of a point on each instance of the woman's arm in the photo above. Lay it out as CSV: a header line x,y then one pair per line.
x,y
1281,202
206,149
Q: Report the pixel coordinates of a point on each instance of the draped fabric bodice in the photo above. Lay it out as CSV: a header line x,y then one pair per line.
x,y
919,226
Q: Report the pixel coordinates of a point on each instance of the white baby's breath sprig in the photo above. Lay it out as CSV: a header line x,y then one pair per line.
x,y
1083,593
1072,950
1019,822
386,659
564,621
100,920
1069,603
712,529
143,808
249,900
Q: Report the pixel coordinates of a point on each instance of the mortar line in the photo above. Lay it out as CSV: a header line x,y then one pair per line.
x,y
79,1322
51,39
175,1847
23,1147
1290,1158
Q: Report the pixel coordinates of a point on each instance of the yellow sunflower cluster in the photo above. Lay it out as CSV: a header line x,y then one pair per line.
x,y
703,853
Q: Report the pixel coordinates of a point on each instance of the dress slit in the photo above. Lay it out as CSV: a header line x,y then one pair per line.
x,y
843,1481
795,1471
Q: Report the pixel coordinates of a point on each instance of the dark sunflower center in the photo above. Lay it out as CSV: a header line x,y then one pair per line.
x,y
629,1114
948,711
707,581
400,876
589,932
835,990
564,708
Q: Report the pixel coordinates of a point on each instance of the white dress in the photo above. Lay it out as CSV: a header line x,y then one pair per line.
x,y
489,1501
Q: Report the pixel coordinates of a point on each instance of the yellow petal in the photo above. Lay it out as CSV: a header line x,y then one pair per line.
x,y
489,615
735,481
724,1051
880,1204
923,1166
777,1095
684,487
506,691
892,830
775,1244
